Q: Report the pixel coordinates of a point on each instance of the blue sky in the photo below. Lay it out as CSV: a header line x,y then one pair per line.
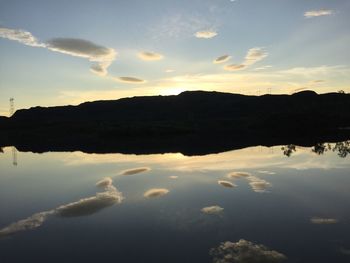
x,y
67,52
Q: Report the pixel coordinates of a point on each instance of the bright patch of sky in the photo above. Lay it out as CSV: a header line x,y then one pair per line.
x,y
66,52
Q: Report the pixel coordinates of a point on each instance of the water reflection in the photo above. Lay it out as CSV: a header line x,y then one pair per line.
x,y
288,149
245,251
135,171
212,210
323,221
341,148
82,207
257,184
258,158
156,192
226,184
307,191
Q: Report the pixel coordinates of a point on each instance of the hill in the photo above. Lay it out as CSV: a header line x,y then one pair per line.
x,y
190,114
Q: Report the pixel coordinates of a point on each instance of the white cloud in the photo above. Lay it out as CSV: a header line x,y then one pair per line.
x,y
263,67
150,56
234,67
180,25
245,251
212,210
24,37
156,192
206,34
222,59
254,55
316,13
130,80
102,57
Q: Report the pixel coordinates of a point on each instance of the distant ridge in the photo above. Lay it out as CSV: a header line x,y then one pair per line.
x,y
191,113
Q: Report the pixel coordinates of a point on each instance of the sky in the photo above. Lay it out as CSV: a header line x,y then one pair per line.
x,y
67,52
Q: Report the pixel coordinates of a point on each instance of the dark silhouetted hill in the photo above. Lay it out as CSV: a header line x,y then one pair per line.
x,y
190,114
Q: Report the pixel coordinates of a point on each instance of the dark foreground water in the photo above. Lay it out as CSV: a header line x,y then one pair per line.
x,y
250,205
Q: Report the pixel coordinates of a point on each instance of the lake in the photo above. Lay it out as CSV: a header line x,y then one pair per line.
x,y
258,204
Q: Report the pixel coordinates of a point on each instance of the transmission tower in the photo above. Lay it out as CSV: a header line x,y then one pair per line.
x,y
14,156
12,106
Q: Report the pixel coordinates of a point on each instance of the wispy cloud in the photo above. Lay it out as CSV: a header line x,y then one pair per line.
x,y
101,56
234,67
222,59
129,80
180,25
254,55
206,34
150,56
316,13
21,36
282,81
263,67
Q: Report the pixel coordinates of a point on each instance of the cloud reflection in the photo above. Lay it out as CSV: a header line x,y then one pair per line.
x,y
156,192
29,223
82,207
245,251
135,171
212,210
257,184
323,221
226,184
236,175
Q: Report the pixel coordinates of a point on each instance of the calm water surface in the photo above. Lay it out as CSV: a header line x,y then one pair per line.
x,y
249,205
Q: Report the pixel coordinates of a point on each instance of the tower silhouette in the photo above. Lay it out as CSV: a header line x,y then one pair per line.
x,y
12,106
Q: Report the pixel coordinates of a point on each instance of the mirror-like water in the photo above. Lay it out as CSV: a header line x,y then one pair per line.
x,y
250,205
